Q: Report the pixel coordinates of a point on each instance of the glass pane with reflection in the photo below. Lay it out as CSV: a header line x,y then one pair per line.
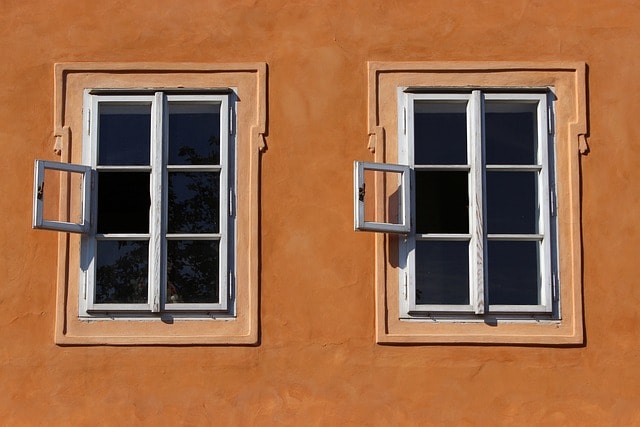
x,y
440,133
510,132
442,272
442,201
512,202
122,271
194,202
192,271
124,134
514,276
194,133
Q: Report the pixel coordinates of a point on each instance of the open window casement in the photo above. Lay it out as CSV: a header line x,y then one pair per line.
x,y
45,196
390,216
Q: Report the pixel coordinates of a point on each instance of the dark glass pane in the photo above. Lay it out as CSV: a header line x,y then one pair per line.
x,y
194,202
440,133
512,202
122,271
442,272
442,202
192,271
124,134
194,134
513,272
123,202
510,131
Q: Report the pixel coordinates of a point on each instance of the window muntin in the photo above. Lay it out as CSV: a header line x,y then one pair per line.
x,y
481,236
161,239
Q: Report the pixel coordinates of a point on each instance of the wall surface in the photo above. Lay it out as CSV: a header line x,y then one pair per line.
x,y
317,362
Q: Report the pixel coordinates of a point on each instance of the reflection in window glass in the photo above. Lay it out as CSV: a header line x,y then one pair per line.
x,y
121,272
512,202
194,199
513,272
194,133
123,202
192,271
510,132
442,272
124,134
442,201
440,131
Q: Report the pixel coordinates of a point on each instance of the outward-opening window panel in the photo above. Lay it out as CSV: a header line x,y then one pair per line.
x,y
160,242
394,179
46,198
481,241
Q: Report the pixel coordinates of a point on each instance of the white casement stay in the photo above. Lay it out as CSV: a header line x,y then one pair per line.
x,y
39,197
392,182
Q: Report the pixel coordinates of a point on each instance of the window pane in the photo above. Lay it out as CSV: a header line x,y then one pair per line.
x,y
194,133
194,200
510,131
512,202
440,132
124,134
121,271
192,271
442,272
442,202
123,202
513,272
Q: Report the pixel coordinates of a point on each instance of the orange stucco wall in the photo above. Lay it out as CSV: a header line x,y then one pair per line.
x,y
317,362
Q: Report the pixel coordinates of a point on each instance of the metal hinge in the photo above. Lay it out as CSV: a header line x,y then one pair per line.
x,y
406,291
549,120
554,286
88,121
231,284
553,203
404,120
231,201
230,121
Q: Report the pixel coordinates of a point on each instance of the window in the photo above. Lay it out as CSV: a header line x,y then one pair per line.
x,y
162,239
492,251
482,238
157,202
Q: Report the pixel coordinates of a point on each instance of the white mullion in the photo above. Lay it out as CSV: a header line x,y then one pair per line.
x,y
544,220
475,143
223,249
157,196
408,244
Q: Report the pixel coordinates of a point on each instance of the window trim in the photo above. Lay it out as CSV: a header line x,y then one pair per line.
x,y
567,81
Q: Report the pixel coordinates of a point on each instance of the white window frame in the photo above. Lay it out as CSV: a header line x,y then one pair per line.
x,y
39,197
403,226
476,237
158,168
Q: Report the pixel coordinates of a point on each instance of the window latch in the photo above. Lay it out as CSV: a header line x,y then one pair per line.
x,y
361,192
40,191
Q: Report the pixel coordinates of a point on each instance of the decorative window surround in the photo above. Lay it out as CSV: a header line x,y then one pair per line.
x,y
567,82
249,81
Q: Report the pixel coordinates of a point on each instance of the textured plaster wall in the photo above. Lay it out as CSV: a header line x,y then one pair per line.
x,y
317,362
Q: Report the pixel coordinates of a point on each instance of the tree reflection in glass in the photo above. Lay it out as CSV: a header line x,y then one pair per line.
x,y
192,271
122,272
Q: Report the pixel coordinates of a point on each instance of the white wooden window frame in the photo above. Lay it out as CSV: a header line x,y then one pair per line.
x,y
476,237
157,236
403,225
39,197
